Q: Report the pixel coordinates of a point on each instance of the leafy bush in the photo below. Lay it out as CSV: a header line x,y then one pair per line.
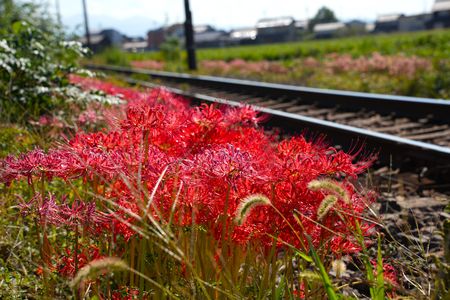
x,y
32,71
115,56
171,50
34,62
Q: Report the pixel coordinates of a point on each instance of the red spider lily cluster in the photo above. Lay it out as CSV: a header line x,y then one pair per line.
x,y
394,65
203,161
148,64
242,66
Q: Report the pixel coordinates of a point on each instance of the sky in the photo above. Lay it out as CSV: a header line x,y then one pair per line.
x,y
136,17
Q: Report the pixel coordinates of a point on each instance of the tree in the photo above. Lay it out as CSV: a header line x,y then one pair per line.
x,y
26,11
323,15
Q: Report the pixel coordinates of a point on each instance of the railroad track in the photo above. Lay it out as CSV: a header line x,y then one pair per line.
x,y
411,133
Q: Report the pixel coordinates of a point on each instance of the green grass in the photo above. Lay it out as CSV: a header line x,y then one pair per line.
x,y
432,44
428,44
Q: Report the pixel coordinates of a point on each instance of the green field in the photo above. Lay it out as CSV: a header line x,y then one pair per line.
x,y
432,44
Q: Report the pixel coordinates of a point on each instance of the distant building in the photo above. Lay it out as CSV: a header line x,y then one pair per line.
x,y
441,14
202,28
439,17
103,39
441,5
370,27
204,36
155,38
135,44
415,22
273,30
208,36
175,31
355,27
243,36
329,30
286,29
387,23
210,39
301,28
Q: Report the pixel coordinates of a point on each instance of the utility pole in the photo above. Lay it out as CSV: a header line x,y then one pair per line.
x,y
189,36
86,26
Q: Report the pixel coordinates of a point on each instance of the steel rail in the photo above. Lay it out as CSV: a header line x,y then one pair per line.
x,y
437,110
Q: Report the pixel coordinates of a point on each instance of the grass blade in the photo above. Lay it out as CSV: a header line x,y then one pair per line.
x,y
380,277
323,273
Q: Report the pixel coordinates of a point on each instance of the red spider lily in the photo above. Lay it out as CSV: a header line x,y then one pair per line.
x,y
80,214
67,266
212,158
26,165
62,214
243,116
49,211
88,116
144,117
43,207
126,293
207,116
226,163
122,218
389,273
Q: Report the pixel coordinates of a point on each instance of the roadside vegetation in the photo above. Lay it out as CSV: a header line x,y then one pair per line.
x,y
113,192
